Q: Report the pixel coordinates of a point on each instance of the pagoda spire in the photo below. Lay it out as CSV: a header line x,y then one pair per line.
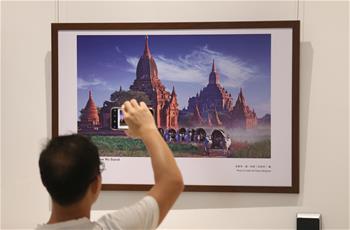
x,y
214,77
240,99
173,92
147,51
173,96
213,68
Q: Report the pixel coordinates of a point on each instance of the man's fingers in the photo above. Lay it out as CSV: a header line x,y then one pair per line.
x,y
127,107
143,105
134,103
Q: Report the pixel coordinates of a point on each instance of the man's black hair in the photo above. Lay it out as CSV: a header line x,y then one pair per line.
x,y
68,165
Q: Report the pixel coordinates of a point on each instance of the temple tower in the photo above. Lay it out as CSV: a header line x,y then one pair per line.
x,y
171,112
242,115
89,115
213,96
147,80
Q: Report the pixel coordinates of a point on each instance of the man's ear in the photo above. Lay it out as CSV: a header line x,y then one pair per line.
x,y
96,184
99,182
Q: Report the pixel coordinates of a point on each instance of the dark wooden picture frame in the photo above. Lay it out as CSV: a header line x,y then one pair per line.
x,y
293,25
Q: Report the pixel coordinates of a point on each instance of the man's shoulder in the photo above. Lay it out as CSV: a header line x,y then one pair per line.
x,y
82,223
142,215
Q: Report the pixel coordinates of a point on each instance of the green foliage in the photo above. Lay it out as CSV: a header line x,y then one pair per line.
x,y
183,148
121,96
126,147
112,143
261,149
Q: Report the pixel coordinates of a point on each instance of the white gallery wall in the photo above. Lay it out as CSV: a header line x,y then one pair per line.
x,y
0,117
324,111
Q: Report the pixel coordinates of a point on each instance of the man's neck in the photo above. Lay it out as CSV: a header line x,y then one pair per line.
x,y
64,213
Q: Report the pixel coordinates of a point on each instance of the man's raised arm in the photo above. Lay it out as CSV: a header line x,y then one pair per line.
x,y
168,178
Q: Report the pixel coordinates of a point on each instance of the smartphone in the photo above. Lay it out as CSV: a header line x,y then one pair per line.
x,y
117,118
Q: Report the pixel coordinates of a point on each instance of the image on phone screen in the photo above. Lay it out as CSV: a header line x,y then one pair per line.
x,y
121,121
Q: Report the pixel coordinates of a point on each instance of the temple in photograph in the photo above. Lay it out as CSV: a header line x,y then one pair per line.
x,y
147,85
242,116
163,102
212,97
213,106
89,118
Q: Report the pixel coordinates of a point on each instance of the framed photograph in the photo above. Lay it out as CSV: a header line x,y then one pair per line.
x,y
224,96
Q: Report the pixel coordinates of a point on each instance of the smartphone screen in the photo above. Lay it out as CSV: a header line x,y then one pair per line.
x,y
117,118
121,121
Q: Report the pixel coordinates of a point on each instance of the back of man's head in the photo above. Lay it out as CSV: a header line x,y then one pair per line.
x,y
68,165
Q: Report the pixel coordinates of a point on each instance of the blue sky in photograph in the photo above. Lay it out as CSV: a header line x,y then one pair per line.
x,y
106,62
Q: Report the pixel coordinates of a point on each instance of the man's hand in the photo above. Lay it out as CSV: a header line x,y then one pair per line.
x,y
138,117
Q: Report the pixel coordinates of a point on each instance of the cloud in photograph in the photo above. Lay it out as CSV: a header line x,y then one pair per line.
x,y
196,66
119,51
108,65
85,84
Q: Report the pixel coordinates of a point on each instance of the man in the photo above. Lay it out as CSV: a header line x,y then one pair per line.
x,y
69,168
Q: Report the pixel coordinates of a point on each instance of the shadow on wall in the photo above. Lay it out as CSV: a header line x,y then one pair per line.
x,y
306,64
110,200
48,82
48,93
